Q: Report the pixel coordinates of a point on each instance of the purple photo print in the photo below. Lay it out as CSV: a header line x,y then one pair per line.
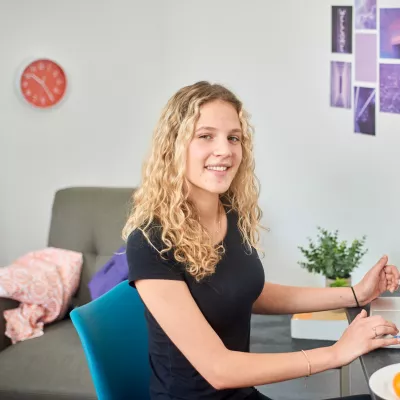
x,y
390,33
364,110
389,88
340,84
365,14
342,29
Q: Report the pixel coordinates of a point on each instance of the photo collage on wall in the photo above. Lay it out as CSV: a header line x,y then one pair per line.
x,y
371,58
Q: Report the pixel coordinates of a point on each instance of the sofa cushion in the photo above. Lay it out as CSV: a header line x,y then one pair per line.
x,y
89,220
110,275
52,366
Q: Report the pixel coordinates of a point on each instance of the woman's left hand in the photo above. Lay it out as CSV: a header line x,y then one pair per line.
x,y
380,278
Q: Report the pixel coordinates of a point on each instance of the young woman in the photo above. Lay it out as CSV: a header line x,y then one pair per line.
x,y
192,251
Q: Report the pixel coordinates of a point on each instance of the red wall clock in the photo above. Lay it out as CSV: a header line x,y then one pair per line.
x,y
43,83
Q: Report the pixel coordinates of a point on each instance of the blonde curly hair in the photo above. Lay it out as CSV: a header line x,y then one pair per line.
x,y
162,198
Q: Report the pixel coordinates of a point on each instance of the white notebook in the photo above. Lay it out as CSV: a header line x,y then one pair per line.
x,y
388,308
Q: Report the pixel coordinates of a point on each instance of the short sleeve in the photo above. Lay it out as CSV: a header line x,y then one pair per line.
x,y
145,262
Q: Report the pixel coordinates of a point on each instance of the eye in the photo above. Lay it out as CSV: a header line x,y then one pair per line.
x,y
205,137
234,139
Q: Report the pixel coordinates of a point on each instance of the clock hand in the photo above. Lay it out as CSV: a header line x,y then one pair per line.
x,y
47,90
42,84
34,77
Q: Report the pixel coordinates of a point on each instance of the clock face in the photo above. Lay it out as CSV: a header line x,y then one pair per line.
x,y
43,83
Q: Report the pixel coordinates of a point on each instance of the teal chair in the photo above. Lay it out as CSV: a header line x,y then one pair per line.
x,y
113,333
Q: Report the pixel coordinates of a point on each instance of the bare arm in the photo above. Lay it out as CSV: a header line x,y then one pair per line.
x,y
174,308
279,299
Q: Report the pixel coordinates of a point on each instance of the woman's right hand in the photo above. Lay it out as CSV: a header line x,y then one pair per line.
x,y
363,335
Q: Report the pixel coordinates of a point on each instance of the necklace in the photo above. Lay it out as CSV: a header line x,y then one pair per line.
x,y
218,230
219,218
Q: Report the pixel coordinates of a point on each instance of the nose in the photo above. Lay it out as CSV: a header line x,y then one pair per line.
x,y
222,147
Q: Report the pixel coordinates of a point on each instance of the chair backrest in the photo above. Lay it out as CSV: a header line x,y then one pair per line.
x,y
113,333
89,220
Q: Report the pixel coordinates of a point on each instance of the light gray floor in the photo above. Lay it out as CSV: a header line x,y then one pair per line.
x,y
271,334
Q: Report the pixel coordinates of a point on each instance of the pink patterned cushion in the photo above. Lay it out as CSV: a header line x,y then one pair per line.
x,y
43,282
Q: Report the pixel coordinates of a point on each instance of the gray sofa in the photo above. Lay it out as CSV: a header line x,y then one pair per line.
x,y
53,366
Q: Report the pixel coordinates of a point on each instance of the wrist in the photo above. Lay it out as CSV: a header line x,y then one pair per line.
x,y
358,296
323,359
333,353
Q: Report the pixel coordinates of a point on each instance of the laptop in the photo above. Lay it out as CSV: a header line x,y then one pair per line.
x,y
388,308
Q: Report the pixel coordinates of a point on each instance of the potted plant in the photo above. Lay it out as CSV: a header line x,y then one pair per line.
x,y
335,260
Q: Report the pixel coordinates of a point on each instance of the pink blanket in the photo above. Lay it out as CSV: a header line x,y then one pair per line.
x,y
43,282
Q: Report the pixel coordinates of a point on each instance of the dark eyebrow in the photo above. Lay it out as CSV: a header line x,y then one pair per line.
x,y
210,128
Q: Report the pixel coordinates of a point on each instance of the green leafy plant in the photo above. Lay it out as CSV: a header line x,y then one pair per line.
x,y
332,258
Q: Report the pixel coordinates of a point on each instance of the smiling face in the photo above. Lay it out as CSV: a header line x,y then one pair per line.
x,y
215,151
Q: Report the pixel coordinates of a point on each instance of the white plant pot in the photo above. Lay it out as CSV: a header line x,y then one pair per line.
x,y
329,281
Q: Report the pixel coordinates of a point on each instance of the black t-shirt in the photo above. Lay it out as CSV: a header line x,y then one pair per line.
x,y
225,299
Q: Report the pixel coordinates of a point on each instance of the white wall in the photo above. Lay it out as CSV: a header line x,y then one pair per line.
x,y
313,169
112,54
